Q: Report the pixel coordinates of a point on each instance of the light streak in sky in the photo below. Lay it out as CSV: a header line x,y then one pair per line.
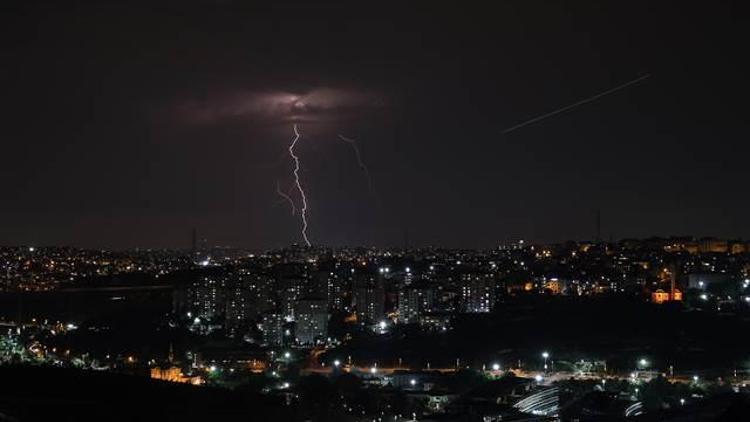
x,y
303,210
286,197
365,170
576,104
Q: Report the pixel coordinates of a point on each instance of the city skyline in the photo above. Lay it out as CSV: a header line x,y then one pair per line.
x,y
638,327
317,211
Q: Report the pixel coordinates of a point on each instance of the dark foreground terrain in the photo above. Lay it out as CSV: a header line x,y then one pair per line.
x,y
47,394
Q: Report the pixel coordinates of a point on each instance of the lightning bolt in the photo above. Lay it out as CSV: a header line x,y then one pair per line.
x,y
286,197
303,210
576,104
355,147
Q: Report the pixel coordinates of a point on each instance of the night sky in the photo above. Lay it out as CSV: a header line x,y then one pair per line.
x,y
126,126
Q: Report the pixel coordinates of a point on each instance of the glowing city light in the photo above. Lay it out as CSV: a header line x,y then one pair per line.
x,y
495,366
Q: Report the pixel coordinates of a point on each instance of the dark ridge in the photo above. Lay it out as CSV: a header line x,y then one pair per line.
x,y
59,394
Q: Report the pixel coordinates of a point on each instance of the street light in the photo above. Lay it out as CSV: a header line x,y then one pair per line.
x,y
495,366
545,355
336,363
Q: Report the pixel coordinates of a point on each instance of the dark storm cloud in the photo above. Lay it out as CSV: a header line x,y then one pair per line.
x,y
315,105
137,122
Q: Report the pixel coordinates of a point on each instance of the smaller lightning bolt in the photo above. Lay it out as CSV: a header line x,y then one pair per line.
x,y
355,147
303,210
286,197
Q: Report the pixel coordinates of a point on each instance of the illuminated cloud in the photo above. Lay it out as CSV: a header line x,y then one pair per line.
x,y
315,105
